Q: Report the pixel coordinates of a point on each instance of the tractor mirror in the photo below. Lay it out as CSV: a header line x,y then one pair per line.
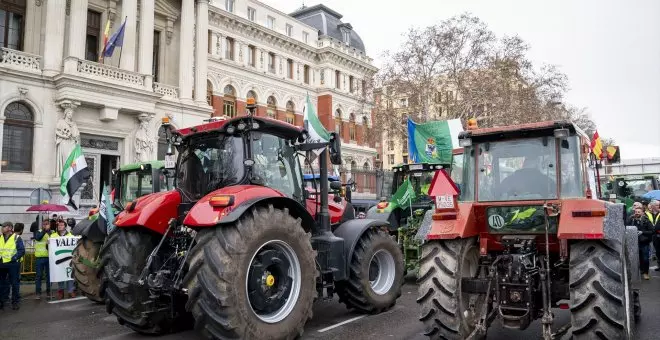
x,y
335,186
335,149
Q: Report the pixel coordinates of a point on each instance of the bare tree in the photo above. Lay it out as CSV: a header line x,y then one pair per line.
x,y
461,69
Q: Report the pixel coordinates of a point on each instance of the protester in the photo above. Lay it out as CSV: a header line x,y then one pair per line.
x,y
34,227
11,252
652,217
41,255
645,232
62,232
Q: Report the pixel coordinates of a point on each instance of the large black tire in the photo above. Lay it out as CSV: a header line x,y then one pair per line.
x,y
217,279
357,292
442,266
600,293
84,262
123,256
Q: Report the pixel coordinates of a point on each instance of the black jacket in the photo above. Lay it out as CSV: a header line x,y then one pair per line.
x,y
644,226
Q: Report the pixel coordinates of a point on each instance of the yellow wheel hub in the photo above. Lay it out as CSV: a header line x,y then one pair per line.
x,y
270,280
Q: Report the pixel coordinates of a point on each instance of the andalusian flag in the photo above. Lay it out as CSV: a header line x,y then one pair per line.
x,y
597,146
75,173
317,133
433,142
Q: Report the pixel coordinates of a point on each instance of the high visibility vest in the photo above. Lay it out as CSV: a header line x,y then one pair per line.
x,y
57,235
653,221
7,248
41,247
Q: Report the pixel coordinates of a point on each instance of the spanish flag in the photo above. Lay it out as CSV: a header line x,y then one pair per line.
x,y
597,146
105,39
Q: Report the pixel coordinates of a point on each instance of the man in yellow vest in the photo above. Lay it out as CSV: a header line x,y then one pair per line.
x,y
41,255
652,217
62,232
11,253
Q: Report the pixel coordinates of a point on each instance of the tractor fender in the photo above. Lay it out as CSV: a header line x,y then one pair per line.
x,y
295,209
89,229
352,230
388,217
632,250
153,211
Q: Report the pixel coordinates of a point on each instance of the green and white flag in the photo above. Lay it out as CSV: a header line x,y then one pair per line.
x,y
106,214
402,198
317,133
74,174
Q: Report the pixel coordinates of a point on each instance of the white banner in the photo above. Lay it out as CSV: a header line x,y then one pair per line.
x,y
59,257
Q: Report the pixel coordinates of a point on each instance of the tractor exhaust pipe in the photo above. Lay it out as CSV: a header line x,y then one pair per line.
x,y
324,214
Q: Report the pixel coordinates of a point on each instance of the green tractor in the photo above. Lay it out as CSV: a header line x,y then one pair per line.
x,y
406,215
131,182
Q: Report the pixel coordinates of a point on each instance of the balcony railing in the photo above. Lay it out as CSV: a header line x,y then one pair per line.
x,y
20,60
110,73
168,91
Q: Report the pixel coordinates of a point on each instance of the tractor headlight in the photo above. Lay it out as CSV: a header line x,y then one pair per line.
x,y
231,129
241,126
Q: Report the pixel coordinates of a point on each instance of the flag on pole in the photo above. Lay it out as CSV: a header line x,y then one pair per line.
x,y
75,173
434,141
117,39
317,133
597,146
106,32
402,198
106,214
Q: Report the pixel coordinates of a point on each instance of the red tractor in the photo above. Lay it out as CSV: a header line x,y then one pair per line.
x,y
237,248
526,235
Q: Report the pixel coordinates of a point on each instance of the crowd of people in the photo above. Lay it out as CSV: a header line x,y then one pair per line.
x,y
12,254
647,220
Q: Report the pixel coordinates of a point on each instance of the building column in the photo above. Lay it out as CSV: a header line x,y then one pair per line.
x,y
128,13
77,34
201,51
186,53
54,39
145,61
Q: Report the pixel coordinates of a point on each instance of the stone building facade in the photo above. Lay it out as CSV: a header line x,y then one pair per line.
x,y
55,90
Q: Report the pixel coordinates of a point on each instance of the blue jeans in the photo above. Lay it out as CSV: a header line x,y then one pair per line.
x,y
69,286
10,276
42,269
644,256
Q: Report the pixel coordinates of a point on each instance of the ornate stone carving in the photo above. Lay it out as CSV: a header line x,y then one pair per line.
x,y
169,30
68,7
38,2
66,134
99,144
167,91
22,92
144,142
322,76
19,59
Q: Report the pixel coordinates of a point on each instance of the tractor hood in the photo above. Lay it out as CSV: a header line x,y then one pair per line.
x,y
152,211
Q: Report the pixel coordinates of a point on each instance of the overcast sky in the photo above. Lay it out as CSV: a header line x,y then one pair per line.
x,y
609,49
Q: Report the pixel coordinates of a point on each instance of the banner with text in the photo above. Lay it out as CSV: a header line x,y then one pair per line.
x,y
59,257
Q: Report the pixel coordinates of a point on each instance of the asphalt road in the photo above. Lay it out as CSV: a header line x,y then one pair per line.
x,y
81,319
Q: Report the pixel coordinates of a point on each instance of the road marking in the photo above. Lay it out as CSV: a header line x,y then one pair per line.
x,y
68,300
341,324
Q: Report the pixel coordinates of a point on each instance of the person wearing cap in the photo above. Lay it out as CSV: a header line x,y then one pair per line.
x,y
11,253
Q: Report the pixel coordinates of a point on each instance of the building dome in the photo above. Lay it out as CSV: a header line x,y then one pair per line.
x,y
329,23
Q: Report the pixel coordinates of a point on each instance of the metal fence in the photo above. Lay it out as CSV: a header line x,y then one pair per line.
x,y
28,266
367,180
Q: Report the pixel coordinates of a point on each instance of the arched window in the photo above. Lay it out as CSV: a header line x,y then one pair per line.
x,y
209,93
351,126
338,121
252,94
229,101
290,112
271,110
17,138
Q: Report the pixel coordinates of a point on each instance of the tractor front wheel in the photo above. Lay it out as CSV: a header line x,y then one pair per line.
x,y
255,279
84,263
376,274
601,306
448,312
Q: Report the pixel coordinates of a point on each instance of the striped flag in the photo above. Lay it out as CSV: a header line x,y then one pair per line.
x,y
106,33
433,142
597,146
117,39
106,214
317,133
75,173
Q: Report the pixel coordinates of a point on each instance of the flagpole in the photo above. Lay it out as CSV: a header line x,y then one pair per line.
x,y
122,45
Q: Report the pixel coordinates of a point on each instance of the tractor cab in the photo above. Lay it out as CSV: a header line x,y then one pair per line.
x,y
139,179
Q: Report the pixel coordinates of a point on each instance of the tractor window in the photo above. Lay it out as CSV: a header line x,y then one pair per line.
x,y
276,165
571,174
467,174
456,171
135,184
514,170
209,163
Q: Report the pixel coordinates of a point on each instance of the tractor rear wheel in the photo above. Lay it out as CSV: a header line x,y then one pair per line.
x,y
123,257
601,295
255,279
376,274
85,268
446,311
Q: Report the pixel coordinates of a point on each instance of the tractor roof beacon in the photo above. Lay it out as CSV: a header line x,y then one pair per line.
x,y
240,248
526,235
